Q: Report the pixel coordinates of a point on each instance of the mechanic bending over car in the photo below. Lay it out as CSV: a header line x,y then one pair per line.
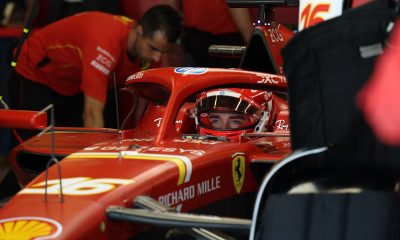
x,y
232,112
72,62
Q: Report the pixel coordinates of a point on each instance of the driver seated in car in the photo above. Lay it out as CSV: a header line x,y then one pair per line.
x,y
232,112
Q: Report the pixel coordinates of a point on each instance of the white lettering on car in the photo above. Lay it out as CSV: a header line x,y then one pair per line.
x,y
209,185
281,125
76,186
137,75
190,192
268,78
197,141
180,150
107,148
275,35
158,121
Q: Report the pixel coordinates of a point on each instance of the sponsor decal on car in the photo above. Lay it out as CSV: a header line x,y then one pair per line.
x,y
29,228
238,170
312,12
182,162
180,150
137,75
190,70
79,186
275,35
144,149
197,141
270,78
282,125
181,195
158,122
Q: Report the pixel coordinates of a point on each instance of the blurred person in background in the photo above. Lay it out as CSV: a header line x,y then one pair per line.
x,y
63,8
211,22
71,63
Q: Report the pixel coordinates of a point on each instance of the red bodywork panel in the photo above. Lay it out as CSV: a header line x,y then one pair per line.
x,y
276,35
23,119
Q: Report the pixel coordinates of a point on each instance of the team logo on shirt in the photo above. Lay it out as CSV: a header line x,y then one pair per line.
x,y
103,61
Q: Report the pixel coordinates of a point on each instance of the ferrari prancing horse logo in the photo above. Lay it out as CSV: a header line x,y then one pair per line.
x,y
238,169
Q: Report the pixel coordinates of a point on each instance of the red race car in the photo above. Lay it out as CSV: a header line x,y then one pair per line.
x,y
166,160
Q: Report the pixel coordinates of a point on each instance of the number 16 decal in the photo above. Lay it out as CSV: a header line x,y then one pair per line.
x,y
313,12
313,15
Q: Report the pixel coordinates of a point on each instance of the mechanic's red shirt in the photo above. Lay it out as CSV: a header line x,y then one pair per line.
x,y
83,52
208,16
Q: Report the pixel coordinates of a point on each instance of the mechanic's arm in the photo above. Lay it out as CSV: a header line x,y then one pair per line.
x,y
93,112
242,19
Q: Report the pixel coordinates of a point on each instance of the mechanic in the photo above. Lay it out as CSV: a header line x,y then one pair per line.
x,y
73,62
232,112
211,22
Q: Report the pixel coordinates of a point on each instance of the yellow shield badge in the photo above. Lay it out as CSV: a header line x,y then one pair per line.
x,y
29,228
238,169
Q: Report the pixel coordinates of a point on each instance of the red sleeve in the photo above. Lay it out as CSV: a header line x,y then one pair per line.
x,y
98,63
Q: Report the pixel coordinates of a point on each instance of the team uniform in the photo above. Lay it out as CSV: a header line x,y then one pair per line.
x,y
219,23
75,55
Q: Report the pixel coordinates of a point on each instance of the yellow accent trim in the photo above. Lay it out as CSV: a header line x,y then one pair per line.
x,y
180,164
238,171
13,64
66,46
25,229
123,19
26,30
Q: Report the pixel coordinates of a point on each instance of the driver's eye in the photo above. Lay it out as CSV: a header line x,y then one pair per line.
x,y
236,123
216,122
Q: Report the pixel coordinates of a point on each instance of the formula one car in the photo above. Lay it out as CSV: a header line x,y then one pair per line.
x,y
82,183
102,172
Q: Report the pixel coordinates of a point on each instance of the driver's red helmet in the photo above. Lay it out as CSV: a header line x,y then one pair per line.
x,y
232,112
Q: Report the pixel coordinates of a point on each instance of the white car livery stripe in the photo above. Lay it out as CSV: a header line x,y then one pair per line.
x,y
183,163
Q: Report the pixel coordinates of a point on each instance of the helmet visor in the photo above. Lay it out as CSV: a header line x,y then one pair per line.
x,y
220,102
226,120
